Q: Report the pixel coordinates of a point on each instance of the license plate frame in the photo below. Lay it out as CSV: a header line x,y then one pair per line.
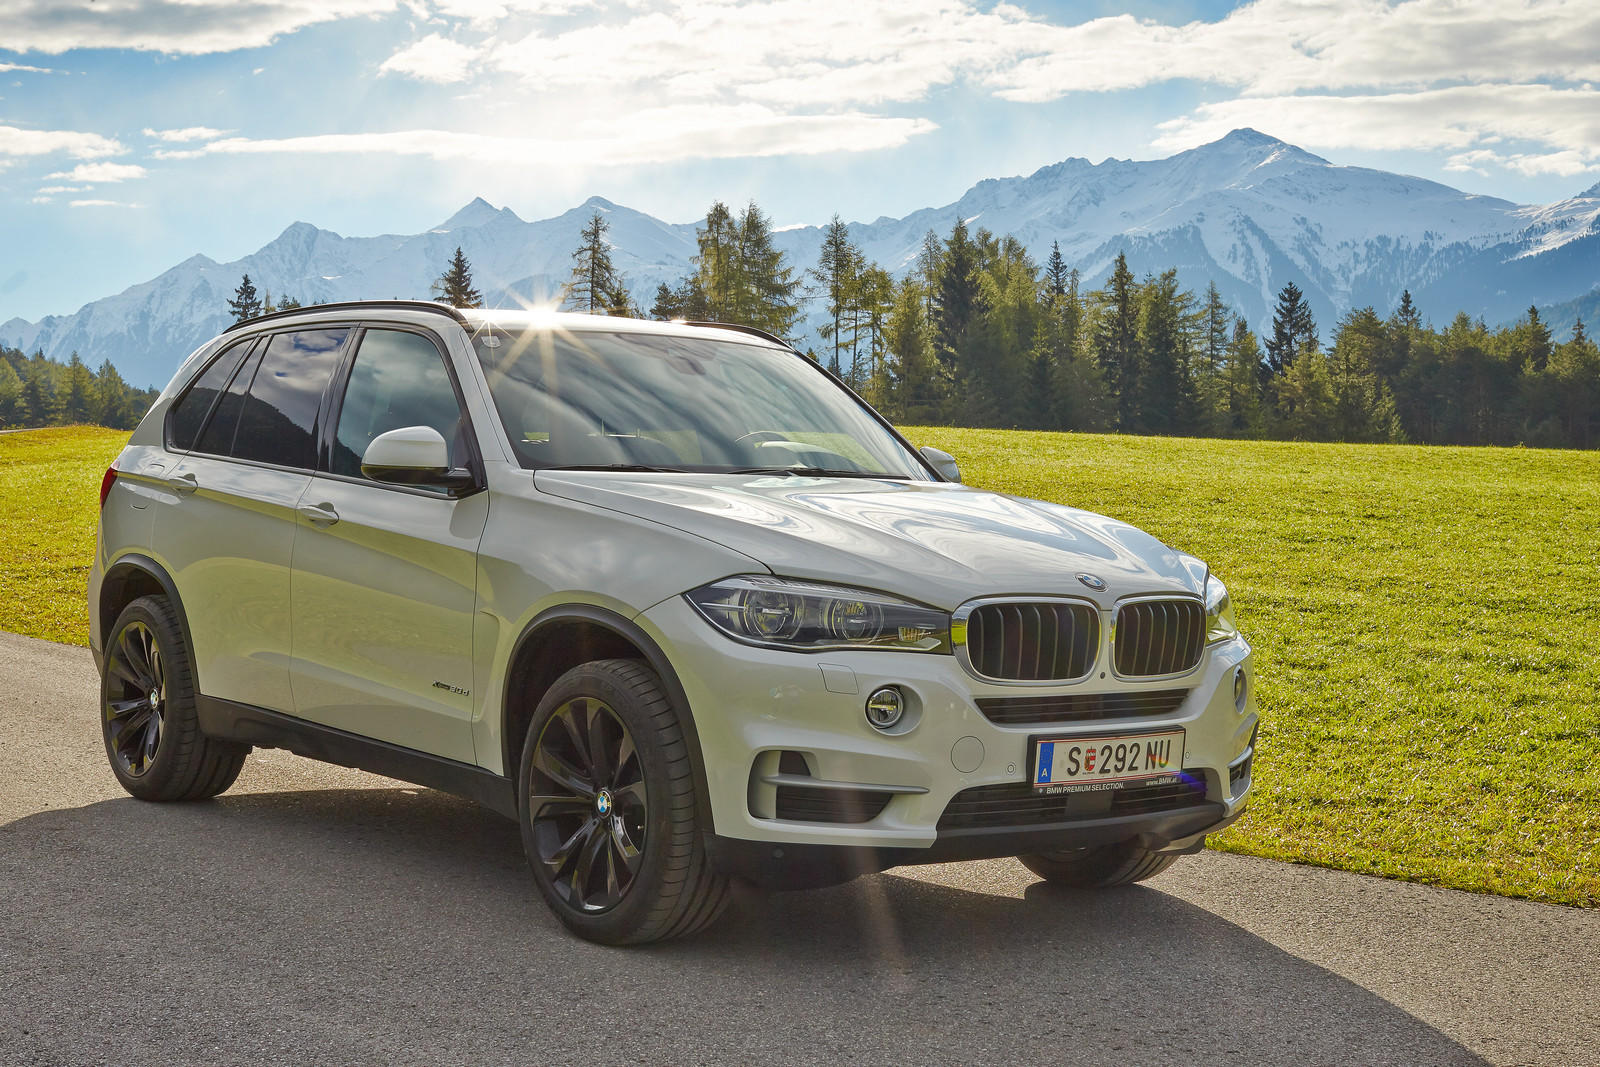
x,y
1152,766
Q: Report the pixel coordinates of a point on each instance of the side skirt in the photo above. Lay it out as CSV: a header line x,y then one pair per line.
x,y
229,721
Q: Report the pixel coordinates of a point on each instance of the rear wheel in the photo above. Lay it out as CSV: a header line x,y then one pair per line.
x,y
147,711
1099,868
608,812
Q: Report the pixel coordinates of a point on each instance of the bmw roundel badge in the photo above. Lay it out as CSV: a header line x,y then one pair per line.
x,y
602,803
1097,584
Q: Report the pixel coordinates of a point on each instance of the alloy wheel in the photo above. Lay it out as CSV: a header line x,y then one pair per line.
x,y
135,697
587,805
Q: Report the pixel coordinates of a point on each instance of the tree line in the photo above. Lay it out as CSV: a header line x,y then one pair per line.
x,y
977,333
38,391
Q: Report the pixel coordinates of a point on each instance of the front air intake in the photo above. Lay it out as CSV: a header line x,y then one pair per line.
x,y
1154,638
1032,640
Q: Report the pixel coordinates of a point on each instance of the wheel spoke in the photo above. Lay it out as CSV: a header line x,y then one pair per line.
x,y
122,669
562,773
600,722
125,728
559,860
133,643
624,846
120,709
634,792
584,870
626,753
568,714
539,806
613,887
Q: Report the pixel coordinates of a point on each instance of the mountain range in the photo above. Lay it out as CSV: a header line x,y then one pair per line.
x,y
1249,212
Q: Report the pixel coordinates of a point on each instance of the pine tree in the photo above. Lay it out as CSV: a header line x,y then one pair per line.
x,y
454,286
77,401
1533,341
112,405
11,402
741,274
959,298
916,389
837,283
1294,331
1243,383
1057,275
1117,343
40,406
245,304
287,303
596,286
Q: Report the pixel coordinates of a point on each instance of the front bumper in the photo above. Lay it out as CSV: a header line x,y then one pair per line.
x,y
753,705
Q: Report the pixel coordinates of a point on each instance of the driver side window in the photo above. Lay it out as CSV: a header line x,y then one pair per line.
x,y
398,379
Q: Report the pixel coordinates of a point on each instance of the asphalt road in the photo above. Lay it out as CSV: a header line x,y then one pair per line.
x,y
315,915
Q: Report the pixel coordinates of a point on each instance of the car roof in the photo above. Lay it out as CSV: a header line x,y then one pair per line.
x,y
511,320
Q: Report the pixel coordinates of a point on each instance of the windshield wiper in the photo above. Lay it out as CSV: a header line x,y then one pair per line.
x,y
826,472
616,467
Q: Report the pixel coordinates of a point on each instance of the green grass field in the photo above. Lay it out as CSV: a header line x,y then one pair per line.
x,y
1426,621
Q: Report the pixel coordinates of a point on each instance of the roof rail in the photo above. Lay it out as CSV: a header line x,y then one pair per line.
x,y
345,305
751,330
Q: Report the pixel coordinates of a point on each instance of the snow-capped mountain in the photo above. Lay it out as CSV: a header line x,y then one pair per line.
x,y
1249,212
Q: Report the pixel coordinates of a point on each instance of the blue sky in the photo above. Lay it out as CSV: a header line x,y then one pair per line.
x,y
135,133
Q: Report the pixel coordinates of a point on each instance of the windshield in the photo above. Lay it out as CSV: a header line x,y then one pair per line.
x,y
646,401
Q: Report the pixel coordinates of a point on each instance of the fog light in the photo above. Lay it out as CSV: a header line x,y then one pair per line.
x,y
1241,689
885,707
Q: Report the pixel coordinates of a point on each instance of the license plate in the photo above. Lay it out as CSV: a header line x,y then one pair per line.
x,y
1075,764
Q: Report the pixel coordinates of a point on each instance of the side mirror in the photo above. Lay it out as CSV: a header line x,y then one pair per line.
x,y
943,462
412,455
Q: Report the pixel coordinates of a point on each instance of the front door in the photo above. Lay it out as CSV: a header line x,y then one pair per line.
x,y
383,584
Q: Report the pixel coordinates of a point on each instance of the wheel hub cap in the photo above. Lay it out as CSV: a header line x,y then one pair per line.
x,y
602,803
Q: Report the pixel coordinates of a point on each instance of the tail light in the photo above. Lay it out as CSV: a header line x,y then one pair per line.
x,y
106,482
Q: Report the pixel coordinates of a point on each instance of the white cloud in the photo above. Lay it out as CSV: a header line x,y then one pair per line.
x,y
175,26
682,132
97,203
64,189
19,142
6,68
101,172
188,133
1461,120
434,59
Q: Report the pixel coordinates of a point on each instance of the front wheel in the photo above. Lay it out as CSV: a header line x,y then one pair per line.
x,y
607,806
1099,868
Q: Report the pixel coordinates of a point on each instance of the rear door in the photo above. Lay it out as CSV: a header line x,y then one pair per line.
x,y
384,576
225,525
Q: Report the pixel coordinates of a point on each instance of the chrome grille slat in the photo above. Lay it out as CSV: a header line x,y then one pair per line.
x,y
1032,641
1158,637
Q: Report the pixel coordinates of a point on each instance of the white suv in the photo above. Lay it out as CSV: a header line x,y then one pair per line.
x,y
669,594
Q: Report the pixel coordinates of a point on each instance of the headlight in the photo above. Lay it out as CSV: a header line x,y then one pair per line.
x,y
810,616
1219,611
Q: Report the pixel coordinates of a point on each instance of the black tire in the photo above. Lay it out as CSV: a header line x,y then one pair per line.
x,y
630,868
1122,863
147,711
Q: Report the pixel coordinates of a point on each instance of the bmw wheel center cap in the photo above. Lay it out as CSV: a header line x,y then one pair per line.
x,y
1093,582
602,802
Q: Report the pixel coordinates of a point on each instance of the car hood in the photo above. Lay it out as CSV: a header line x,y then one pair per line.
x,y
938,543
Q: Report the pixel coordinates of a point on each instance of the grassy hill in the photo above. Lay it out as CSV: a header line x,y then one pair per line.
x,y
1427,622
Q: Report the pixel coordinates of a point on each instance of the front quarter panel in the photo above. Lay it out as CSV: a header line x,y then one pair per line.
x,y
541,552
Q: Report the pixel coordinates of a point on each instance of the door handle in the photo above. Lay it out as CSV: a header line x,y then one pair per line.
x,y
321,516
183,484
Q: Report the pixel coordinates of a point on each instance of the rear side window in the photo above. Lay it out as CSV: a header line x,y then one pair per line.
x,y
279,418
189,413
398,379
217,437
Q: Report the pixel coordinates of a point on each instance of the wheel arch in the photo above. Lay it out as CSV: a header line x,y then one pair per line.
x,y
560,638
132,576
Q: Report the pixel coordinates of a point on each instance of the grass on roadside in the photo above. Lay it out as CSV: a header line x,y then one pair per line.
x,y
49,504
1427,627
1426,622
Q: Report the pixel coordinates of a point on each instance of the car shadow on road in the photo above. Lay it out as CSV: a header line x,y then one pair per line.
x,y
400,926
